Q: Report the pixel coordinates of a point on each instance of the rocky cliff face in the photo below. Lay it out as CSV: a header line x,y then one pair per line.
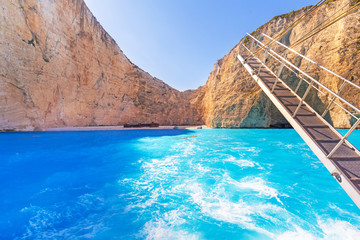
x,y
231,98
59,67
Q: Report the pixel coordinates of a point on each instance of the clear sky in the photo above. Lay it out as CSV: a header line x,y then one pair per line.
x,y
179,41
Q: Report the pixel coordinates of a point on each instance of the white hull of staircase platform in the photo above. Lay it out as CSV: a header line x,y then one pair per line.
x,y
344,183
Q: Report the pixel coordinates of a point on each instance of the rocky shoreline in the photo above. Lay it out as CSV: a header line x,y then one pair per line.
x,y
103,128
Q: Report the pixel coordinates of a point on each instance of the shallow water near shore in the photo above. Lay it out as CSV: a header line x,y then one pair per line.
x,y
170,184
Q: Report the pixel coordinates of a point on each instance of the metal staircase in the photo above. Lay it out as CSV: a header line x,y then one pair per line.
x,y
292,86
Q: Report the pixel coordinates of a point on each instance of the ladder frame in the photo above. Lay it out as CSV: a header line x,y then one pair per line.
x,y
343,180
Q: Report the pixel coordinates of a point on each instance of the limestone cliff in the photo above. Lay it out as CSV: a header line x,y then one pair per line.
x,y
59,67
231,98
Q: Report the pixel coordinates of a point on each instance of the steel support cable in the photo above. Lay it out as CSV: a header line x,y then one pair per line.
x,y
298,75
294,24
326,24
308,76
300,19
319,25
305,80
313,30
323,26
311,61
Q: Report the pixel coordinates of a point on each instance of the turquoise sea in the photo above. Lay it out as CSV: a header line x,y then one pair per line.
x,y
169,184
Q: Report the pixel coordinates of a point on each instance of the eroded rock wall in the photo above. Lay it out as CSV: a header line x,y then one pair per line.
x,y
231,98
59,67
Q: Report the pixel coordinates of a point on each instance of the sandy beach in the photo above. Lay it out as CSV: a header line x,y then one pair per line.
x,y
102,128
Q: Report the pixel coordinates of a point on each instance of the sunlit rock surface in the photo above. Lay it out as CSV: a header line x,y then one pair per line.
x,y
231,98
59,67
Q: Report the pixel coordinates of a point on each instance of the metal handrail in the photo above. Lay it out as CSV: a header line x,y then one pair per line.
x,y
347,111
322,67
307,75
318,89
280,79
282,60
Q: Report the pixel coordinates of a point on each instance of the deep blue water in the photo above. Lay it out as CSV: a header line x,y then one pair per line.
x,y
169,184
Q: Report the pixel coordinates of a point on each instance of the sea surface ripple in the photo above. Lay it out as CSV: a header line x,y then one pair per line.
x,y
170,184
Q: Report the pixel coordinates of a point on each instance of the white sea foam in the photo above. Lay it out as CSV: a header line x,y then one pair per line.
x,y
243,163
329,229
218,206
351,215
297,234
174,217
259,185
189,150
90,201
256,184
297,146
215,204
157,168
164,178
184,147
41,219
201,169
335,230
253,150
288,146
147,189
143,204
42,222
160,230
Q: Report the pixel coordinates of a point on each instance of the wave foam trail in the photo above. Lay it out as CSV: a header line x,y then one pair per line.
x,y
159,230
185,148
329,229
162,184
335,229
187,186
257,184
218,206
41,219
213,202
157,168
44,223
297,234
241,162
